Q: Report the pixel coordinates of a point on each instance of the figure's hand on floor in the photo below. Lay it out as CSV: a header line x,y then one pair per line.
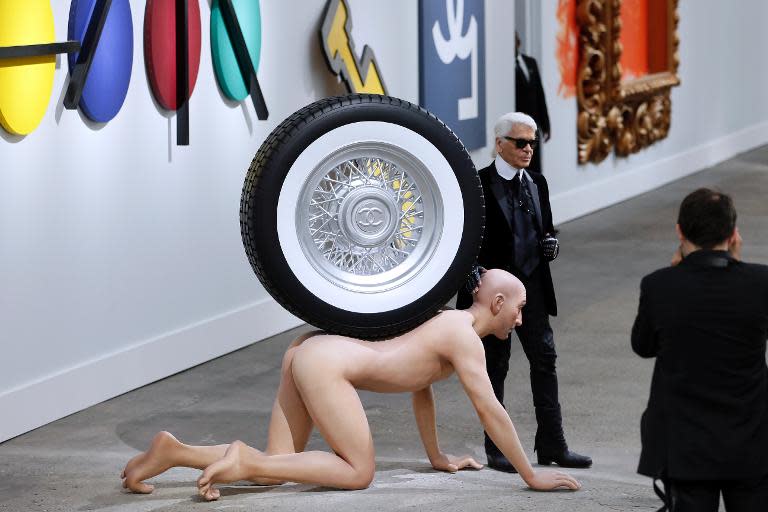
x,y
452,464
551,480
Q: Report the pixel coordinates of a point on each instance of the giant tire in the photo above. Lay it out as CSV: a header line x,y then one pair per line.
x,y
329,226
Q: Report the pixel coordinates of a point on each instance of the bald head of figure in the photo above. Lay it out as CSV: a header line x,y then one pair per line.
x,y
503,295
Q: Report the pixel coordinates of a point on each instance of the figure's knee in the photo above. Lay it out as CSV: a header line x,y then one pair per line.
x,y
290,352
304,337
288,359
289,355
362,478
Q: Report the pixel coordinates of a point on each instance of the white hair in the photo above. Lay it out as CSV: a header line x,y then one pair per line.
x,y
504,123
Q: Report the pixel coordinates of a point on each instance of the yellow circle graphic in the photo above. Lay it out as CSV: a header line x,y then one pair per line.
x,y
25,83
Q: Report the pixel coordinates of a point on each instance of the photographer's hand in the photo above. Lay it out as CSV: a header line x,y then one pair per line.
x,y
734,246
677,257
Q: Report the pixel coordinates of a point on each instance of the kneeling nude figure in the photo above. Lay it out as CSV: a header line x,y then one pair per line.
x,y
320,376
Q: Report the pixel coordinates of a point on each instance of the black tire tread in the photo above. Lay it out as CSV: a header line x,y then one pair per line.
x,y
269,150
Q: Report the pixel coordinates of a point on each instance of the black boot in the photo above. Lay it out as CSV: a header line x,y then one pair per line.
x,y
564,458
499,462
496,460
550,441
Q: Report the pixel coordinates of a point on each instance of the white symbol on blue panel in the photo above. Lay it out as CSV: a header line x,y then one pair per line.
x,y
459,45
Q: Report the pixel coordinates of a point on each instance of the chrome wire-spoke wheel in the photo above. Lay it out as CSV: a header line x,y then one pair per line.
x,y
362,215
372,218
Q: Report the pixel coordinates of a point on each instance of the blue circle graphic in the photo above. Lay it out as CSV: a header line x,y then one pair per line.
x,y
110,74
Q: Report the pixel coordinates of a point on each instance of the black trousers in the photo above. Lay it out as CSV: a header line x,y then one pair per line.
x,y
704,496
535,335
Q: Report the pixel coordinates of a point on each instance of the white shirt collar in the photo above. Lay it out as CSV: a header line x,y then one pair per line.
x,y
523,66
508,172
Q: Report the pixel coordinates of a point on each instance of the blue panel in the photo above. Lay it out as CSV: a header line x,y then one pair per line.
x,y
452,65
107,84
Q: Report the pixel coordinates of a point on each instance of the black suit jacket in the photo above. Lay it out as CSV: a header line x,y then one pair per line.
x,y
498,246
706,322
529,94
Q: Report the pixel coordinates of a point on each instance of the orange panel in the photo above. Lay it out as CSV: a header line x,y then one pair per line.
x,y
634,38
567,51
658,49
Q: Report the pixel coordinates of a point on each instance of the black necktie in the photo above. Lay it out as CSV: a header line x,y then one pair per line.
x,y
526,238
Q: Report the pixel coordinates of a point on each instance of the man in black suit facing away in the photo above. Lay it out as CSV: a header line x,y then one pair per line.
x,y
529,98
705,320
518,238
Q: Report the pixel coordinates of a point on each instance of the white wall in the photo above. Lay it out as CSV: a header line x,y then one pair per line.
x,y
719,110
120,253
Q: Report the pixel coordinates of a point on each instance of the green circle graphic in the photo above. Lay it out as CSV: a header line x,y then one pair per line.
x,y
231,81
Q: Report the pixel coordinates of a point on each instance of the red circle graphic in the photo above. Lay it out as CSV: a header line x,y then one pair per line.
x,y
160,48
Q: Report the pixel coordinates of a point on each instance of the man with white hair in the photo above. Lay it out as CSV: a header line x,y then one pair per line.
x,y
519,238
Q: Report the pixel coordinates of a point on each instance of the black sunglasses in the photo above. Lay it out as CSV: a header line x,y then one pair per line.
x,y
521,143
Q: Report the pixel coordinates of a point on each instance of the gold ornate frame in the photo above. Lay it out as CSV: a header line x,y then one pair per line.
x,y
628,115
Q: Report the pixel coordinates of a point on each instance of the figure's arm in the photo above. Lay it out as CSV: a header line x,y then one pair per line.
x,y
644,339
474,378
468,359
424,410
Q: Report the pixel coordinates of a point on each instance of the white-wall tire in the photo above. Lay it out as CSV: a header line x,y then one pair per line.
x,y
362,215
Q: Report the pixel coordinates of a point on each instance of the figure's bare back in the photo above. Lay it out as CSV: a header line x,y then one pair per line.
x,y
406,363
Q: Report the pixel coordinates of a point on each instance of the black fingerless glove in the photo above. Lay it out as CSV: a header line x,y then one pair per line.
x,y
550,248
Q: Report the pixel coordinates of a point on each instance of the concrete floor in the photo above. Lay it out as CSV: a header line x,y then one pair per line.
x,y
74,463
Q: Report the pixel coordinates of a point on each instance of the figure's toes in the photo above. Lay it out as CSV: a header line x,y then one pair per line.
x,y
139,487
212,494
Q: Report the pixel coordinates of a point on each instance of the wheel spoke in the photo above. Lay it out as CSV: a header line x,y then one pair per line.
x,y
409,229
365,217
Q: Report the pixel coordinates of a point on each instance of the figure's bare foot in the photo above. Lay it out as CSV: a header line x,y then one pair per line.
x,y
225,470
150,463
266,481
